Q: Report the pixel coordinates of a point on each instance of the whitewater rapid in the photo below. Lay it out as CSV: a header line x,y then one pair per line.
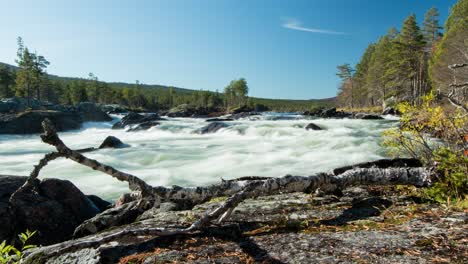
x,y
170,154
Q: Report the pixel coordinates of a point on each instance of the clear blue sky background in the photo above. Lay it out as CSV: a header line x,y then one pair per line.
x,y
285,49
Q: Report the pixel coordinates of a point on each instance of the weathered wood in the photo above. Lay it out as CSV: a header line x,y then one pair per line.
x,y
35,173
50,137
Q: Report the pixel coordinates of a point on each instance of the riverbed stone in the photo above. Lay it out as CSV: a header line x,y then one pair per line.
x,y
53,208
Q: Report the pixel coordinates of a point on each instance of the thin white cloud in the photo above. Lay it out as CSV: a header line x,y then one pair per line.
x,y
295,24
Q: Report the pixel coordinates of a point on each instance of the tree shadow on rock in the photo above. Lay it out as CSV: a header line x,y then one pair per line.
x,y
361,209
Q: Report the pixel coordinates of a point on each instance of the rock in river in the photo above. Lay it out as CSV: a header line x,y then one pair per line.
x,y
211,128
313,126
145,121
91,112
112,142
30,122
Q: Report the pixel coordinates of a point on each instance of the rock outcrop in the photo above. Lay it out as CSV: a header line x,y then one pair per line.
x,y
90,112
366,116
212,128
139,121
327,113
54,208
333,113
390,111
30,122
291,228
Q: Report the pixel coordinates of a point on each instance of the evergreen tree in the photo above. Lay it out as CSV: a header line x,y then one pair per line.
x,y
7,79
345,72
431,27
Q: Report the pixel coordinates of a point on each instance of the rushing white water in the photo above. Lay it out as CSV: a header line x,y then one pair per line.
x,y
272,145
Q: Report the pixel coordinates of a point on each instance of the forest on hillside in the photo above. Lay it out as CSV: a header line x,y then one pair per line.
x,y
30,80
405,65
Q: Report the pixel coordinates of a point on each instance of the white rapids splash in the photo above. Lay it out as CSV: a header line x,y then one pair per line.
x,y
272,145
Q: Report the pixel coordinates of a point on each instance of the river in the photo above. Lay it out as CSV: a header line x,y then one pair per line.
x,y
269,145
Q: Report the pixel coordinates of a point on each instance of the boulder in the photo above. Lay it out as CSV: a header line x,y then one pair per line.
x,y
242,109
112,142
134,119
30,122
313,126
90,112
217,119
8,184
19,104
101,204
212,128
114,109
144,126
183,110
367,116
327,113
54,209
390,111
242,115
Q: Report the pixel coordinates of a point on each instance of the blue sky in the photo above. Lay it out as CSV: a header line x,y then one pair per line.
x,y
285,49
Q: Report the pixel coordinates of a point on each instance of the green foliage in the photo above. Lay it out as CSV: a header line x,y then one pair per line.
x,y
453,181
395,66
10,254
235,93
418,126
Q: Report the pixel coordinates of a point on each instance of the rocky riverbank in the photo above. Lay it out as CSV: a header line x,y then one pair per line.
x,y
356,224
364,225
17,116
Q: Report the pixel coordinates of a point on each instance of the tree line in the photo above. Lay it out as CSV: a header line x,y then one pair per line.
x,y
30,80
407,64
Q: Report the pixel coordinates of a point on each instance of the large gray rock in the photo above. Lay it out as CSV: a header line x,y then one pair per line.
x,y
114,109
112,142
8,184
54,208
30,122
313,126
211,128
19,104
390,111
327,113
183,110
367,116
90,112
134,119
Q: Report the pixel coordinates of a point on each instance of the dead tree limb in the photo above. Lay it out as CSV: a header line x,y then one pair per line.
x,y
457,65
35,173
50,137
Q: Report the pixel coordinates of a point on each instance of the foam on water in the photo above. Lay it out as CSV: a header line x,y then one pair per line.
x,y
273,145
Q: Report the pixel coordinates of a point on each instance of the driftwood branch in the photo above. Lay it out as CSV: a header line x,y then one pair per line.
x,y
35,173
458,65
50,137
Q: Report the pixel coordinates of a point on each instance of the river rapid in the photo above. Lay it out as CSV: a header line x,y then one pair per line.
x,y
272,144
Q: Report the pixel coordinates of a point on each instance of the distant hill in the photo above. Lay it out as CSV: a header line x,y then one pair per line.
x,y
284,104
113,84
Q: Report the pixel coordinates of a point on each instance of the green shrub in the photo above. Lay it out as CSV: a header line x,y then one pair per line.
x,y
453,177
10,254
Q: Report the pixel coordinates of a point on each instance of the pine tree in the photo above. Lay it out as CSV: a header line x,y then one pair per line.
x,y
431,27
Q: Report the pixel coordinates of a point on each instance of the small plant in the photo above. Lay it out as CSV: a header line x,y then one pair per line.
x,y
10,254
437,136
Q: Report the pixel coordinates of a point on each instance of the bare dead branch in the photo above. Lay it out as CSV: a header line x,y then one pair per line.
x,y
50,137
459,65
